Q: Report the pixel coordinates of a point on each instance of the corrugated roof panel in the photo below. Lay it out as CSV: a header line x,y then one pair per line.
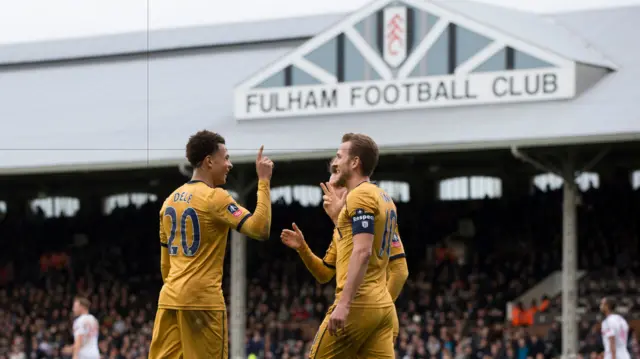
x,y
535,29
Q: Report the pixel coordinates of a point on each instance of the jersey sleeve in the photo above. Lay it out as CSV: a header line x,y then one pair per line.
x,y
80,327
329,258
397,249
361,208
163,234
397,274
607,331
228,210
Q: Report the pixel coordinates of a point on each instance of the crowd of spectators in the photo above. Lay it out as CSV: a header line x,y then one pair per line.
x,y
453,304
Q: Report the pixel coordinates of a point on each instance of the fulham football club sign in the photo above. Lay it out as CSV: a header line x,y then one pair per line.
x,y
400,55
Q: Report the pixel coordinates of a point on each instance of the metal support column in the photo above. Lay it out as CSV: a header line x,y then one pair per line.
x,y
569,262
569,243
238,295
238,317
568,171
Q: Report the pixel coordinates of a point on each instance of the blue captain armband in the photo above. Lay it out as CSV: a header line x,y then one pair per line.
x,y
362,222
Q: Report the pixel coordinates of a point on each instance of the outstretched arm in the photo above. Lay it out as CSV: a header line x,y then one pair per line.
x,y
322,269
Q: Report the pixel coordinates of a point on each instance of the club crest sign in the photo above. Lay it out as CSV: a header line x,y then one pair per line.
x,y
400,55
395,35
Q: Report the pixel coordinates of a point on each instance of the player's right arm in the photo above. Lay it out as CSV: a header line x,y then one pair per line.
x,y
256,225
361,208
322,269
165,263
397,270
80,332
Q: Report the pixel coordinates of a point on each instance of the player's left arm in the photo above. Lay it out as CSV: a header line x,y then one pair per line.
x,y
397,270
79,336
165,263
256,225
361,207
322,269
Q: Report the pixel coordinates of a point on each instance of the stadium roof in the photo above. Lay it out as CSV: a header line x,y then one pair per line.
x,y
546,31
167,40
609,110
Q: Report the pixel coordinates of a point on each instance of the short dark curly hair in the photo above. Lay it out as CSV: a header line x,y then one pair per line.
x,y
204,143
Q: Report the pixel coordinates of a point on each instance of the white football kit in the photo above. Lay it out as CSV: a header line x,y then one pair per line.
x,y
615,326
87,325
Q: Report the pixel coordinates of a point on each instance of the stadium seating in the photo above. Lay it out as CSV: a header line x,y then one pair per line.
x,y
453,304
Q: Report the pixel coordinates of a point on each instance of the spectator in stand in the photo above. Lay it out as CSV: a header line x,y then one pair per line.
x,y
517,314
544,304
455,309
530,313
536,347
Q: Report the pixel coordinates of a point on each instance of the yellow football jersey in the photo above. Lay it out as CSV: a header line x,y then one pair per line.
x,y
368,209
397,251
194,224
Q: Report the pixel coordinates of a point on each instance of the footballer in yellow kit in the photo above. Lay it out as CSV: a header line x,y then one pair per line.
x,y
191,321
367,331
360,322
324,269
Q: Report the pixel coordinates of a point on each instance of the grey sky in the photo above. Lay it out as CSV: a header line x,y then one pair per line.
x,y
36,20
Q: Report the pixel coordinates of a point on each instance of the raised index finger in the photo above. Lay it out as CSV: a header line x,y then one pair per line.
x,y
260,153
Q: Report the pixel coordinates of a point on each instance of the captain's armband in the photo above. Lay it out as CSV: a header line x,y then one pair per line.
x,y
362,222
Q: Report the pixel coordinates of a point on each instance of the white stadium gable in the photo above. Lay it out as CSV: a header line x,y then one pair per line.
x,y
113,108
396,39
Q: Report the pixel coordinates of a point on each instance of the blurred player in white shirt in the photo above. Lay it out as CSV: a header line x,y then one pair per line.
x,y
85,331
615,331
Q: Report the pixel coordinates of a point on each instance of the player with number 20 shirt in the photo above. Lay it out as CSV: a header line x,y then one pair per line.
x,y
191,321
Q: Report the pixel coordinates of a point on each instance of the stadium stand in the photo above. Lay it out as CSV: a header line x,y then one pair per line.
x,y
453,305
